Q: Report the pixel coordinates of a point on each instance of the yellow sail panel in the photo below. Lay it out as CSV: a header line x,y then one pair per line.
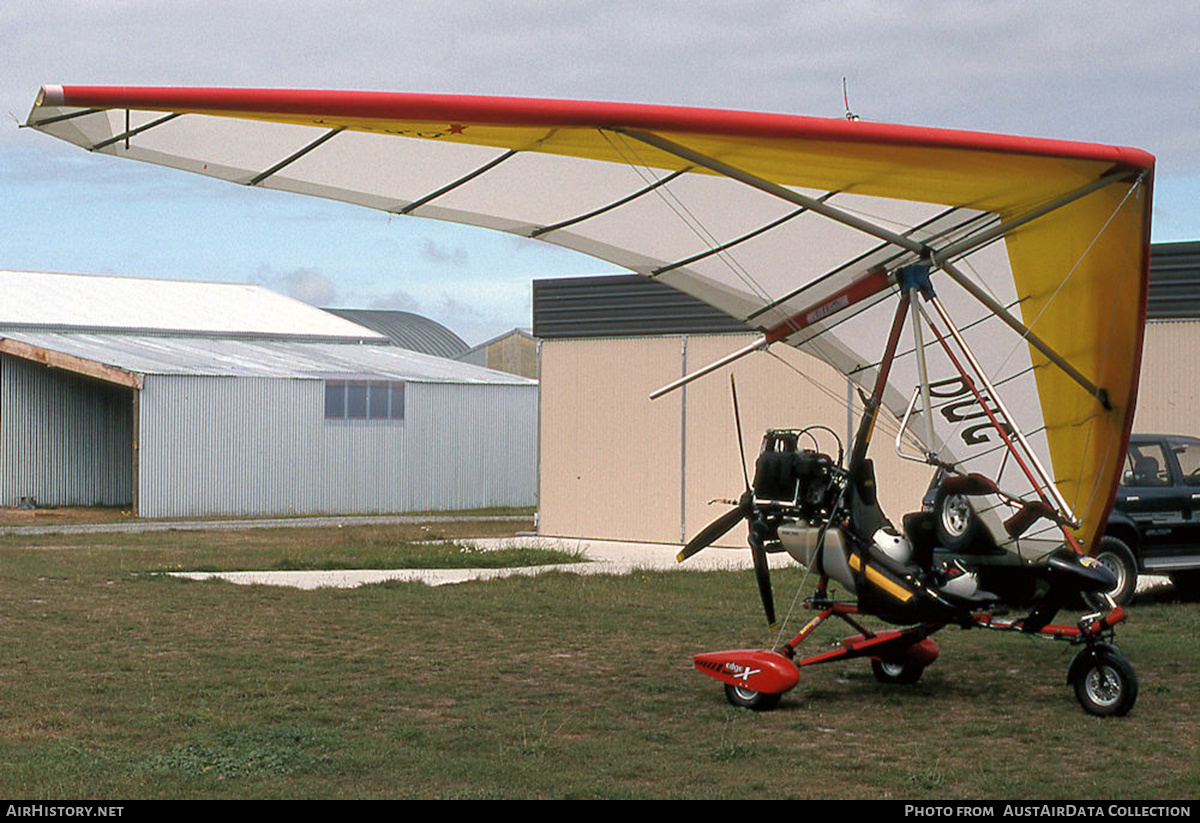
x,y
1070,269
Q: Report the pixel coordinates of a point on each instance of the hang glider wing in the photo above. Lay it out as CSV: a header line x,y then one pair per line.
x,y
794,225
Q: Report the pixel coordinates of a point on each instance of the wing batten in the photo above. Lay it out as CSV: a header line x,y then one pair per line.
x,y
449,187
616,204
129,133
60,118
287,161
726,246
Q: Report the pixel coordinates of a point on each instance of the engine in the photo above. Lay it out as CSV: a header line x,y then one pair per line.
x,y
794,484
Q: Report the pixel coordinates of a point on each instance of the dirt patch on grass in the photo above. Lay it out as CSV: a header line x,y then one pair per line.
x,y
14,516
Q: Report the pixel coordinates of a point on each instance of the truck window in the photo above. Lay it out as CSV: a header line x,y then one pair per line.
x,y
1146,465
1188,455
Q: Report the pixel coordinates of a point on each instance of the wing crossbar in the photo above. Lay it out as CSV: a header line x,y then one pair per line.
x,y
877,257
811,203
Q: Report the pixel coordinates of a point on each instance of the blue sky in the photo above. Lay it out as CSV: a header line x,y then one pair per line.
x,y
1098,71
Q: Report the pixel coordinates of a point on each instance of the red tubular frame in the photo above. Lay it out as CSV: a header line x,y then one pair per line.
x,y
911,643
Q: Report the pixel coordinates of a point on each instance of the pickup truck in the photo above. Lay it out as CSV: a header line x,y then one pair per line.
x,y
1154,527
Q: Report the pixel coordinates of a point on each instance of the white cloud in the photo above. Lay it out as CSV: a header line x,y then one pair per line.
x,y
440,254
307,285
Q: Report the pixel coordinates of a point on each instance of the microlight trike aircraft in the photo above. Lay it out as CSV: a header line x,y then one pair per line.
x,y
987,292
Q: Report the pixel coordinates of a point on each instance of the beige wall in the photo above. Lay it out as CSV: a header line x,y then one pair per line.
x,y
617,465
1169,392
515,354
609,458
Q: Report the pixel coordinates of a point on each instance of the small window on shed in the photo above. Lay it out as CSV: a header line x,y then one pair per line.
x,y
356,401
335,399
396,411
364,400
377,400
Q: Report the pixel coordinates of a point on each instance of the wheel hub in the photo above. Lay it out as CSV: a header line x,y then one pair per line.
x,y
1103,686
956,513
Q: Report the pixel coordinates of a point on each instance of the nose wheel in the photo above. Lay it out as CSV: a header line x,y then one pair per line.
x,y
745,698
1104,681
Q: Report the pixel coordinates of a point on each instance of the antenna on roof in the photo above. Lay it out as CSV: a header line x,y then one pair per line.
x,y
846,99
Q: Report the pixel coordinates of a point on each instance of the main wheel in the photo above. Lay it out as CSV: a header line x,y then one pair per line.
x,y
745,698
1104,681
892,672
1116,556
955,520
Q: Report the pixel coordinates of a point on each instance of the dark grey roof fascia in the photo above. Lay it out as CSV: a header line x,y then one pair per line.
x,y
621,306
636,306
1174,281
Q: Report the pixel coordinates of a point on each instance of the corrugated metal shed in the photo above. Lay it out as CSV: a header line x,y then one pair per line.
x,y
65,439
408,330
224,357
191,399
252,446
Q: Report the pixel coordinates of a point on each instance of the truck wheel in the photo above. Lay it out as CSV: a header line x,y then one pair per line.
x,y
1118,558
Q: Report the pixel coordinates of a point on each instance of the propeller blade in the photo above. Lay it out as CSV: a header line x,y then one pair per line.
x,y
717,529
763,573
737,424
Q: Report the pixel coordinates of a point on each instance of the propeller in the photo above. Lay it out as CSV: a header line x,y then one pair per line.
x,y
763,574
717,529
743,510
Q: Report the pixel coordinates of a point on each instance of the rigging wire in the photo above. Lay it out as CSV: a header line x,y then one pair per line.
x,y
886,423
781,633
1106,351
687,217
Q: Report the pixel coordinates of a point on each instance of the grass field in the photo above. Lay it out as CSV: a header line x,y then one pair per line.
x,y
117,681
